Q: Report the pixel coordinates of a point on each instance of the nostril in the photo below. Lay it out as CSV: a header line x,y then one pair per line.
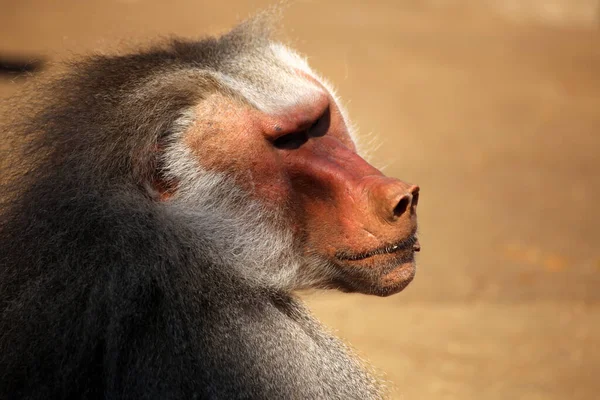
x,y
402,205
415,197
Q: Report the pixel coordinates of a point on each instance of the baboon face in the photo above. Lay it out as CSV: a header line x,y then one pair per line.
x,y
283,137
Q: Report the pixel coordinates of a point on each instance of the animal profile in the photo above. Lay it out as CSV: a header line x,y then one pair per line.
x,y
160,210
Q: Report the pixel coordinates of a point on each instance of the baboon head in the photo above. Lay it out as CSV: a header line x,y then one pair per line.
x,y
241,141
276,131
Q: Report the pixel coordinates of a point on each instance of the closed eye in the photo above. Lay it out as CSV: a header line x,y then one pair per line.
x,y
321,126
295,140
291,141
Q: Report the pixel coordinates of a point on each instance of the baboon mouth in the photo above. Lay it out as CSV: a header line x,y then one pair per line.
x,y
410,243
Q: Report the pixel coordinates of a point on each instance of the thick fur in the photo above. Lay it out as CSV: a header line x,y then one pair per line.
x,y
106,293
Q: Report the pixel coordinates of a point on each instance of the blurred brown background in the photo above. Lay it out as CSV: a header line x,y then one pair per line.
x,y
493,108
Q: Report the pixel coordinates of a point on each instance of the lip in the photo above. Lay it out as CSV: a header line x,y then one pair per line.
x,y
411,243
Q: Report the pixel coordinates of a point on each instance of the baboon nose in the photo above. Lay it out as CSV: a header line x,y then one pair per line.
x,y
407,202
393,199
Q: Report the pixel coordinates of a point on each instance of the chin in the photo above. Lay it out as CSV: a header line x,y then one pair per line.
x,y
395,281
382,275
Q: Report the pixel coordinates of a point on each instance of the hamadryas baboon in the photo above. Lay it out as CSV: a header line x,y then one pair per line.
x,y
160,212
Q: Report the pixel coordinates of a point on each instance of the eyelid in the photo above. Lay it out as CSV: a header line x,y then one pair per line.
x,y
321,125
295,139
292,140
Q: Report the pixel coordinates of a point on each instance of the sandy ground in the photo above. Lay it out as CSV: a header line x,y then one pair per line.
x,y
495,114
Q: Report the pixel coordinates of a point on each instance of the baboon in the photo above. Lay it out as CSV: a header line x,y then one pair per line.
x,y
161,213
